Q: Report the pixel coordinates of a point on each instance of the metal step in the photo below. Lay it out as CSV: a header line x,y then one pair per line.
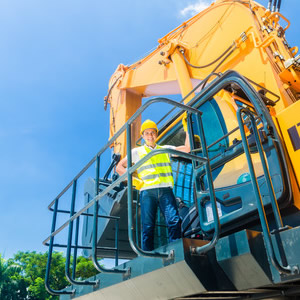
x,y
237,268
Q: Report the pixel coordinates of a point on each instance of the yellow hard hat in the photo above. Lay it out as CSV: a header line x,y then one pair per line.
x,y
148,124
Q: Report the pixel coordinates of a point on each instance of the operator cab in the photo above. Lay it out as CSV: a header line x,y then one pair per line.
x,y
235,198
220,104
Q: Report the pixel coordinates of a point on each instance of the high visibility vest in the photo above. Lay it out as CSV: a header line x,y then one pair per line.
x,y
155,172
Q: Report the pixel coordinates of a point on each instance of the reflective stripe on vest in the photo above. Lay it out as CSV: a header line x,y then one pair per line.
x,y
157,170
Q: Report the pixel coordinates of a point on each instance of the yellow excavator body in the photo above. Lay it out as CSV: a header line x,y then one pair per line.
x,y
229,35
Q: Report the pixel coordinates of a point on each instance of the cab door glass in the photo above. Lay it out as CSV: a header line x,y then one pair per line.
x,y
214,128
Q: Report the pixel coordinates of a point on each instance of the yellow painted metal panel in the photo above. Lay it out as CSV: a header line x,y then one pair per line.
x,y
289,122
182,75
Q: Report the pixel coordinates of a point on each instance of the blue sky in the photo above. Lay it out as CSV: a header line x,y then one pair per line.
x,y
56,58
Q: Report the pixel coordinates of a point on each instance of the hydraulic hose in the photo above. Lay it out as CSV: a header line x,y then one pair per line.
x,y
274,6
227,52
213,71
278,5
211,63
107,97
269,4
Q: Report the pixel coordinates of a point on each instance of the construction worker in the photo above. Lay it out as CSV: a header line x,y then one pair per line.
x,y
155,182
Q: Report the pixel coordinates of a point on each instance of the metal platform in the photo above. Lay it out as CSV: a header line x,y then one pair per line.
x,y
237,268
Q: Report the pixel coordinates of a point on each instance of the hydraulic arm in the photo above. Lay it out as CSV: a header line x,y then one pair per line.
x,y
229,35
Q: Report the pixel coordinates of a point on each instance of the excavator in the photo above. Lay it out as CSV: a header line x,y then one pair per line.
x,y
230,71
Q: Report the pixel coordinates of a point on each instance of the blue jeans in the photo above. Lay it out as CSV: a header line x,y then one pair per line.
x,y
150,200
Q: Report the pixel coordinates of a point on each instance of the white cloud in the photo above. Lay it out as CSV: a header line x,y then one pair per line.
x,y
194,8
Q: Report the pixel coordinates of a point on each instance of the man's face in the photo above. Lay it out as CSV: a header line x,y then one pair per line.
x,y
150,135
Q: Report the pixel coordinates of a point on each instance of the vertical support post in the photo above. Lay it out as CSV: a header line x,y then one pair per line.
x,y
69,245
159,231
95,223
50,251
129,185
177,175
260,205
95,233
191,194
117,242
137,221
212,196
75,249
274,203
97,175
95,228
70,235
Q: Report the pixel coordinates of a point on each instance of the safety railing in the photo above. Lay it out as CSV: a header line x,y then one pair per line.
x,y
205,248
94,202
69,246
204,96
260,206
192,157
130,171
226,79
95,231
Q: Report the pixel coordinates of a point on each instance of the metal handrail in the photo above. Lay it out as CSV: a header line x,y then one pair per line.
x,y
81,247
47,276
205,248
260,206
86,207
116,135
130,170
230,77
95,230
75,215
107,145
70,278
